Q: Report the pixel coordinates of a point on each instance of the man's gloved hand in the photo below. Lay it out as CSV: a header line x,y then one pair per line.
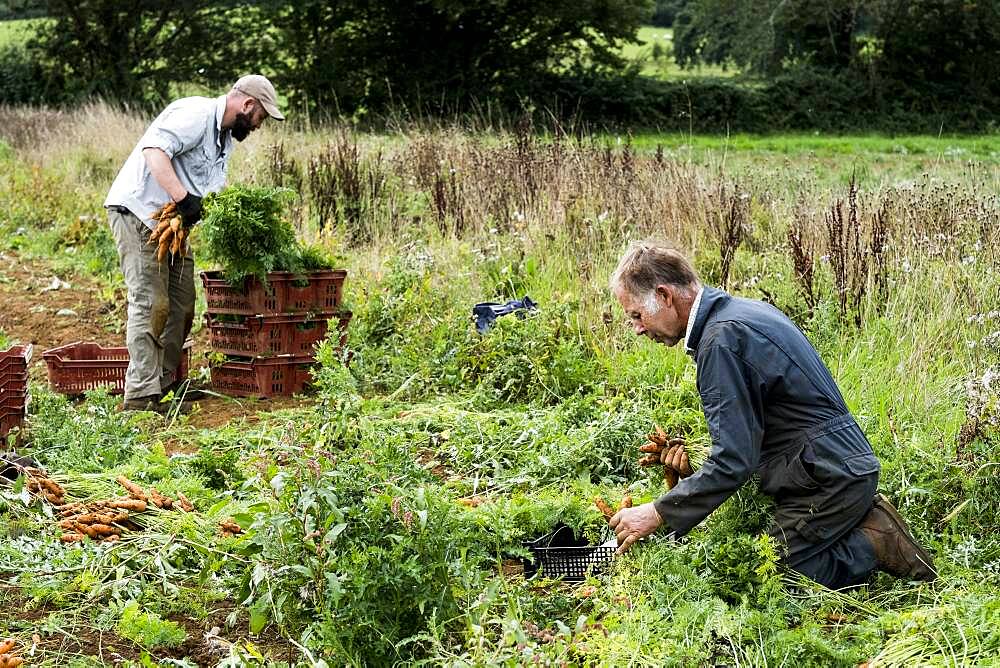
x,y
190,209
669,452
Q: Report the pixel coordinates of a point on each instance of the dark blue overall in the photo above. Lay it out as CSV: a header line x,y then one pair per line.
x,y
774,409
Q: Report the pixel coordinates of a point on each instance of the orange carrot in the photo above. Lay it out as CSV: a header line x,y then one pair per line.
x,y
649,460
135,505
134,490
605,509
159,500
183,502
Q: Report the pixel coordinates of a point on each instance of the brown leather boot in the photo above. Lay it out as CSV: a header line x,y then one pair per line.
x,y
150,403
896,552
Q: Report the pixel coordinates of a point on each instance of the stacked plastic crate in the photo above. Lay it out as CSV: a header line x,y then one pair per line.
x,y
269,331
14,396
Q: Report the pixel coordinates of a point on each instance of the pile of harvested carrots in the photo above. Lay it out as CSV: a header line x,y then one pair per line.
x,y
8,657
105,519
170,235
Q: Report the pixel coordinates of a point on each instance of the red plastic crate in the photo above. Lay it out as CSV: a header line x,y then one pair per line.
x,y
13,379
264,376
14,362
78,367
9,421
285,292
269,335
13,398
13,408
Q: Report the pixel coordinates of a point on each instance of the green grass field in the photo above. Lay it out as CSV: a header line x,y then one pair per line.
x,y
660,63
383,514
16,32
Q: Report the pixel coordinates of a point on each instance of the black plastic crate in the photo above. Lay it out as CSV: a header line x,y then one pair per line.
x,y
561,554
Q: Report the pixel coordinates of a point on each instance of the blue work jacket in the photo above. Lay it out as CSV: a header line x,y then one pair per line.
x,y
773,409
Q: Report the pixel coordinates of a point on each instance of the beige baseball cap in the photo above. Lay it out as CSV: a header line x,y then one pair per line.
x,y
260,89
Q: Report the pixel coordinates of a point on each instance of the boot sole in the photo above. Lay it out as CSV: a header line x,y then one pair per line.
x,y
901,526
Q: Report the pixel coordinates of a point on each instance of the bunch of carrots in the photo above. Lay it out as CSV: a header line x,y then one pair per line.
x,y
169,234
680,457
8,658
39,484
105,520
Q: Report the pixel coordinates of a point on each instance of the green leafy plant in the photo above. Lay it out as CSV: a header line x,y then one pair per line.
x,y
148,629
362,563
245,230
219,468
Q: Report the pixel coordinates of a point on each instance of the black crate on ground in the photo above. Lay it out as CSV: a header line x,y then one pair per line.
x,y
561,554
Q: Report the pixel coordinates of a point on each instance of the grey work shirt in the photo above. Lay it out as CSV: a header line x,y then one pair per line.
x,y
190,132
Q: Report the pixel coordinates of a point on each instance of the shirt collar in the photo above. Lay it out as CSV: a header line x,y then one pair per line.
x,y
691,318
220,110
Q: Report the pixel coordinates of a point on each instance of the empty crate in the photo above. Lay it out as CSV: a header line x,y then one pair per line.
x,y
78,367
283,375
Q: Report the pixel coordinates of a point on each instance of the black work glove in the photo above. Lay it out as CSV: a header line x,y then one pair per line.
x,y
190,209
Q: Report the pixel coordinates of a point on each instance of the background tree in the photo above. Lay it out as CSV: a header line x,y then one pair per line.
x,y
666,11
134,50
21,9
768,36
944,51
442,54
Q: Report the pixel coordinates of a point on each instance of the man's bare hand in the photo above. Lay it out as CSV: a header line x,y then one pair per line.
x,y
631,524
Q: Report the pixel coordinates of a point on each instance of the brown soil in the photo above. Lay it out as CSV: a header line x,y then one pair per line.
x,y
201,646
29,313
213,412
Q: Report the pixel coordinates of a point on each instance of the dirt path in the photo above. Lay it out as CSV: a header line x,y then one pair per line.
x,y
40,309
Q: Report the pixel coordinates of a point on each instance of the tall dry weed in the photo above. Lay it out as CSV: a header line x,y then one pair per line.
x,y
51,136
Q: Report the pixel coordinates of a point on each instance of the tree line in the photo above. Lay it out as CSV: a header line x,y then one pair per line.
x,y
803,63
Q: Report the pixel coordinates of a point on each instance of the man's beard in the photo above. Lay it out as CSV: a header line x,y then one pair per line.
x,y
242,126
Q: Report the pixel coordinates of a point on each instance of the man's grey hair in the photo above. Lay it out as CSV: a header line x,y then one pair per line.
x,y
647,264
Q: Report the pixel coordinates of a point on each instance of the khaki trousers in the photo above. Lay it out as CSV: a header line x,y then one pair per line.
x,y
160,306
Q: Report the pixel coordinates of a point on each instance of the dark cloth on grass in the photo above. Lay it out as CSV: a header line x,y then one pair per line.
x,y
774,409
487,312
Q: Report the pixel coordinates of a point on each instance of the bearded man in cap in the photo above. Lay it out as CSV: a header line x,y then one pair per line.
x,y
183,156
